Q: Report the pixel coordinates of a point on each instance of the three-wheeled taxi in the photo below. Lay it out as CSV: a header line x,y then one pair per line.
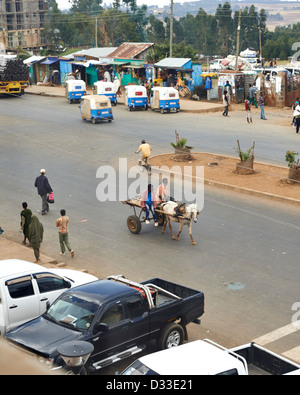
x,y
165,99
107,89
96,108
136,97
75,89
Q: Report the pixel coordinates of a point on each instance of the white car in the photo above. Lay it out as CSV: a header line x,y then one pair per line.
x,y
27,288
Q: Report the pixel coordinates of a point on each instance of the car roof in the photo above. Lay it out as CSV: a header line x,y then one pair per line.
x,y
18,267
193,358
102,291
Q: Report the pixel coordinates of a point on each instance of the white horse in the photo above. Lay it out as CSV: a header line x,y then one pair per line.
x,y
185,218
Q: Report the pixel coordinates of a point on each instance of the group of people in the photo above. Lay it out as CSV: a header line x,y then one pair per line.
x,y
250,100
33,229
296,115
150,200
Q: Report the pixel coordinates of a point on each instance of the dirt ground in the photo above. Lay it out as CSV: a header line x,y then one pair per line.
x,y
266,178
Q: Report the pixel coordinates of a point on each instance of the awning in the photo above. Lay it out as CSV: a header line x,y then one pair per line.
x,y
208,74
50,61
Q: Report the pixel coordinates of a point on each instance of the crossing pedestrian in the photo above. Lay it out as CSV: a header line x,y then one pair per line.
x,y
62,224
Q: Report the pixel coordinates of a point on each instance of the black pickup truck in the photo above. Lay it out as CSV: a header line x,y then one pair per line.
x,y
117,316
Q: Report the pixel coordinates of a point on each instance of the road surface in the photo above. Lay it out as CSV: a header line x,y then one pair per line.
x,y
247,256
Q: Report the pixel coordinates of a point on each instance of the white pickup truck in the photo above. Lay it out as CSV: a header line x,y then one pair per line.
x,y
204,357
27,288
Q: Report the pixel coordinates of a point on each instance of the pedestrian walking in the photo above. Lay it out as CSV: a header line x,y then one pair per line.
x,y
43,188
297,117
35,235
226,103
228,88
26,214
248,110
261,103
293,111
62,224
252,94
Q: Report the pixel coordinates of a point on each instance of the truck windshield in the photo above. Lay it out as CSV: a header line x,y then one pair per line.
x,y
70,310
138,369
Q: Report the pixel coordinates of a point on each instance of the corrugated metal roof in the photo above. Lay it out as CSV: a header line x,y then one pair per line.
x,y
94,52
172,62
130,50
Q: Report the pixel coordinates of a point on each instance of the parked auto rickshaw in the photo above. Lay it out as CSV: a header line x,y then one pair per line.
x,y
96,108
106,89
75,89
136,97
165,99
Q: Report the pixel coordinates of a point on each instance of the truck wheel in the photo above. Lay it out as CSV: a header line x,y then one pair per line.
x,y
171,336
134,224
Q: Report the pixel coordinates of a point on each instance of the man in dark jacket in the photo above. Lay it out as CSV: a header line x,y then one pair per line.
x,y
43,188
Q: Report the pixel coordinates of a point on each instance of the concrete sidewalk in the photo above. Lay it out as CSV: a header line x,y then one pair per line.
x,y
12,250
186,105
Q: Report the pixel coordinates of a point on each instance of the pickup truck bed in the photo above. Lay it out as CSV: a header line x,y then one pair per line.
x,y
264,362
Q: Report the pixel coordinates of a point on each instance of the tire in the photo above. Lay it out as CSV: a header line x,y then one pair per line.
x,y
93,120
134,224
171,336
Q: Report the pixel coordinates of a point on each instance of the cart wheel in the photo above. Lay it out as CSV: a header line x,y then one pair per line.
x,y
134,224
93,120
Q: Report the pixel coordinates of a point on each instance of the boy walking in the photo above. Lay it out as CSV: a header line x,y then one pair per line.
x,y
248,110
63,233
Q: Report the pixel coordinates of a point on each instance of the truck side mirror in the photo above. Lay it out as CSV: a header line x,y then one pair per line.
x,y
101,327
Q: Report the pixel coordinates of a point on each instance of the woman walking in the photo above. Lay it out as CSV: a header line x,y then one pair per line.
x,y
35,234
26,214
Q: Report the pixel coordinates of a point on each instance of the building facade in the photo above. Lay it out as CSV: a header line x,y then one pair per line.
x,y
22,23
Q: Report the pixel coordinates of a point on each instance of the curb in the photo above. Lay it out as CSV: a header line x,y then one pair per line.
x,y
195,111
235,188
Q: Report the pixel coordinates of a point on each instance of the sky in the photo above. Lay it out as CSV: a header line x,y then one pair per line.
x,y
64,4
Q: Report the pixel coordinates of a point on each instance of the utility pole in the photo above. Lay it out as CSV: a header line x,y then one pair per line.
x,y
171,30
96,41
238,40
260,51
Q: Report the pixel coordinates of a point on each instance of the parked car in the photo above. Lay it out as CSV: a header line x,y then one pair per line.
x,y
117,316
26,288
216,65
204,357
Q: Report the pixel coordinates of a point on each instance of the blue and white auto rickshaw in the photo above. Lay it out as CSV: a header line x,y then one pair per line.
x,y
75,89
96,108
136,97
107,89
165,99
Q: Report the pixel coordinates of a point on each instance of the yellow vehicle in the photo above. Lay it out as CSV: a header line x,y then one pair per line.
x,y
14,75
13,87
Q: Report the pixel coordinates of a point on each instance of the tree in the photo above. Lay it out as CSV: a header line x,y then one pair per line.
x,y
225,27
85,6
156,30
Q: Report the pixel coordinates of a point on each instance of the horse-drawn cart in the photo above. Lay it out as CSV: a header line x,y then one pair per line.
x,y
134,222
165,214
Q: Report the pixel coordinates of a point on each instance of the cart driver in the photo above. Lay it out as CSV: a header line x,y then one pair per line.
x,y
145,148
162,193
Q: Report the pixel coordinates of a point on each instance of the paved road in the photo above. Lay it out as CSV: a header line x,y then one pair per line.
x,y
247,257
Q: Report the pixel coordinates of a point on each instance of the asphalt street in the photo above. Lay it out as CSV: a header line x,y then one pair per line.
x,y
246,260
